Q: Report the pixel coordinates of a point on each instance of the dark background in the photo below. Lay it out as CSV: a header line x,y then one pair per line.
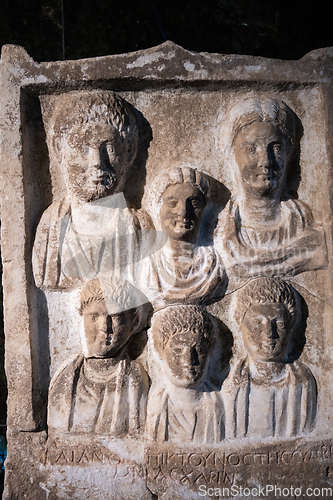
x,y
56,29
285,29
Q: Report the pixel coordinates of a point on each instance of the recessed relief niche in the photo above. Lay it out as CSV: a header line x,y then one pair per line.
x,y
145,277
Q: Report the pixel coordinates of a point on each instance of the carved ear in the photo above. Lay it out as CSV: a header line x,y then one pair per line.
x,y
139,318
135,320
57,147
130,149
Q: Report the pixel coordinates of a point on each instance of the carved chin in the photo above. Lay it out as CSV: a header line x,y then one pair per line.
x,y
188,378
180,230
94,190
263,185
271,352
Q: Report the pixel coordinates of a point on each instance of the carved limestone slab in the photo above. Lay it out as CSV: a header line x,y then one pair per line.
x,y
166,223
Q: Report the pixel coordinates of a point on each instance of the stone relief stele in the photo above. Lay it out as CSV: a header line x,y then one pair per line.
x,y
177,294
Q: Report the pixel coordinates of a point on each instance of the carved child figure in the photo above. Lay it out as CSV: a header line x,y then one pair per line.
x,y
183,403
183,271
265,395
262,232
93,137
101,390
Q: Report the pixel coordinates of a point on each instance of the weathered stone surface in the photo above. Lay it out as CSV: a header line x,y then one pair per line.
x,y
167,273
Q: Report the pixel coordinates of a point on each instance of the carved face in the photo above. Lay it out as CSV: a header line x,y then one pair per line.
x,y
186,359
261,154
266,330
182,210
105,334
94,159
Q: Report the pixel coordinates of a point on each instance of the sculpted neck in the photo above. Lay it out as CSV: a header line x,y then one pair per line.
x,y
266,372
182,248
105,366
184,396
259,211
93,218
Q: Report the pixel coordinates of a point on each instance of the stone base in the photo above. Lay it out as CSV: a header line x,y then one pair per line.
x,y
102,470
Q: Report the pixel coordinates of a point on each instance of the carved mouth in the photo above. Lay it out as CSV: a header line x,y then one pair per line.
x,y
102,177
183,224
269,345
264,176
104,337
191,371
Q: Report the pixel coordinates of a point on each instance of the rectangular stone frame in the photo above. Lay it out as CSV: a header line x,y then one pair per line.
x,y
167,67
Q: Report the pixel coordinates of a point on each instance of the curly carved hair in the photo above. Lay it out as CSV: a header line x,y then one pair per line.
x,y
263,291
80,108
190,320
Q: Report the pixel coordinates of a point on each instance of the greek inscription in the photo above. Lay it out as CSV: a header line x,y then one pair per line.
x,y
273,457
62,457
189,476
97,456
233,459
175,459
84,458
326,451
297,457
261,458
285,457
213,469
153,461
156,476
247,459
196,460
117,467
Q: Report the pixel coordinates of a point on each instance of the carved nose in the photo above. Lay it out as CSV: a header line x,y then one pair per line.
x,y
182,209
103,323
94,156
263,157
194,357
270,330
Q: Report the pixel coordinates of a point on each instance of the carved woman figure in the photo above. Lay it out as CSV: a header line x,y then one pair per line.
x,y
101,390
261,231
184,405
183,270
266,395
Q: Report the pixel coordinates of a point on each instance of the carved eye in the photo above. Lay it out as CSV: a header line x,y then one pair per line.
x,y
94,317
109,150
178,351
250,148
109,147
196,203
172,203
119,320
84,149
277,148
281,325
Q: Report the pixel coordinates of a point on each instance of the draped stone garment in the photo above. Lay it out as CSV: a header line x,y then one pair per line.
x,y
291,246
177,421
82,400
192,278
282,409
62,257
